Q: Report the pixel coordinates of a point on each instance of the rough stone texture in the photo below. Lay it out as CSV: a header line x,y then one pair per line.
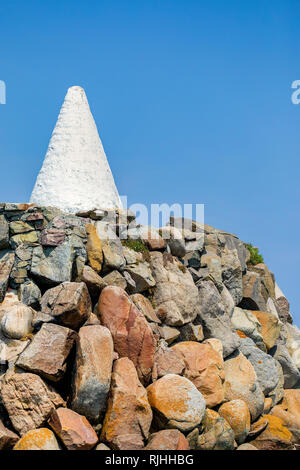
x,y
290,372
232,273
246,321
191,332
142,276
132,335
94,248
4,233
236,413
114,278
168,439
283,306
7,259
270,327
204,367
263,364
215,322
68,304
73,429
29,294
144,306
94,282
7,437
38,439
52,237
16,323
217,434
241,383
246,447
102,446
289,411
48,352
176,403
275,436
174,239
166,361
28,400
293,343
168,333
175,295
75,175
111,247
92,374
128,417
252,295
51,266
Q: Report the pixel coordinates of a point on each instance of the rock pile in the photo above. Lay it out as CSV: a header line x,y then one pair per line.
x,y
118,336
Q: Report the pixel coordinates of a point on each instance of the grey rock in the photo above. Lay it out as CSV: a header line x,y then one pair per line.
x,y
17,321
115,278
142,276
278,392
111,246
252,293
290,372
263,364
7,259
174,239
29,294
215,321
246,321
4,233
232,274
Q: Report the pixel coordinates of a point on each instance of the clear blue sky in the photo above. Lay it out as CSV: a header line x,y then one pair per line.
x,y
192,100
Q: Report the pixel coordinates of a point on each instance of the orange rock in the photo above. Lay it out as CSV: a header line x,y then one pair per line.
x,y
241,383
236,413
168,439
144,305
38,439
275,436
94,248
132,335
289,411
176,403
268,405
204,367
73,429
270,327
128,416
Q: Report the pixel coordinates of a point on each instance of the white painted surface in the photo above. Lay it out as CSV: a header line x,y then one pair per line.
x,y
75,175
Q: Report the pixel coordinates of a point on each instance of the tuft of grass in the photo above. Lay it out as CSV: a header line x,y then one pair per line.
x,y
136,245
255,256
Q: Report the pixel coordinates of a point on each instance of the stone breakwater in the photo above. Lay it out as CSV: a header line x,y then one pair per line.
x,y
157,339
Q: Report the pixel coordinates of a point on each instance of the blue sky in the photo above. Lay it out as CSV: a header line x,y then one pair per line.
x,y
192,100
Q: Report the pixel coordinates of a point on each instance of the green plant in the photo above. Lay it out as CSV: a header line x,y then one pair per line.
x,y
255,256
136,245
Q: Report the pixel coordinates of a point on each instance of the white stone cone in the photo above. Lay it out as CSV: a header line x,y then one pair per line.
x,y
75,175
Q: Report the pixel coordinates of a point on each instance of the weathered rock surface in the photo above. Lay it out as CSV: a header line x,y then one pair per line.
x,y
246,321
4,233
38,439
215,322
73,429
176,403
7,259
236,413
128,417
289,412
175,295
275,436
204,367
241,383
93,281
29,294
217,433
270,328
68,304
7,437
168,439
48,352
17,322
144,305
92,374
132,335
111,247
94,248
166,361
28,400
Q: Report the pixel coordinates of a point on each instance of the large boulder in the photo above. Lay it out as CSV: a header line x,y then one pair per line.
x,y
132,335
204,367
263,364
216,433
16,323
236,413
93,248
168,439
128,416
290,371
176,403
175,294
38,439
73,429
69,304
92,374
48,352
28,400
93,281
289,411
246,321
241,383
215,321
141,274
270,327
275,436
